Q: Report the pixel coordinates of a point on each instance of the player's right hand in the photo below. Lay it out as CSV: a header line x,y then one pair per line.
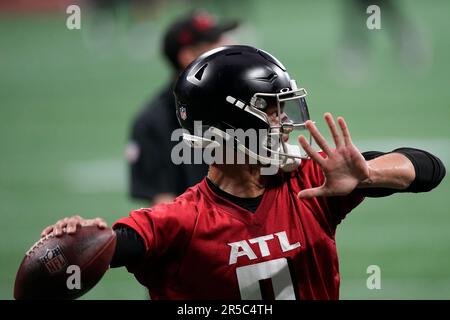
x,y
344,167
69,225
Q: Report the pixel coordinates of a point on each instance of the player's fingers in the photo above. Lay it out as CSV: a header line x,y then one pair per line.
x,y
345,131
318,137
72,223
58,228
46,231
333,129
311,193
100,223
310,151
71,227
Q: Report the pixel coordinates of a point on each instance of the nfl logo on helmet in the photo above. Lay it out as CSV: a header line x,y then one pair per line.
x,y
183,114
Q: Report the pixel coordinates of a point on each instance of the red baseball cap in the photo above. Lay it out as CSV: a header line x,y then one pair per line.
x,y
193,29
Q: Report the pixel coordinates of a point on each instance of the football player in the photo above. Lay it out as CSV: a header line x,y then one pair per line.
x,y
242,234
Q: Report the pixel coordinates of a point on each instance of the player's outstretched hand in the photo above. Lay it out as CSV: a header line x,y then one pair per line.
x,y
69,225
344,167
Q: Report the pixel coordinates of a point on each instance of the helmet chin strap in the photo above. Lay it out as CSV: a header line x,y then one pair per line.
x,y
288,156
291,163
288,160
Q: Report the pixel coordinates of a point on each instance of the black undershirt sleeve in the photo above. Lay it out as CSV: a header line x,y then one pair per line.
x,y
130,248
429,172
429,169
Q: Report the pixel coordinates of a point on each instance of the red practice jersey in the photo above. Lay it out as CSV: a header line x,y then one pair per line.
x,y
202,246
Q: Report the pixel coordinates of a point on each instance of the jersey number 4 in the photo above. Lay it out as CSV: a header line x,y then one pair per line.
x,y
266,280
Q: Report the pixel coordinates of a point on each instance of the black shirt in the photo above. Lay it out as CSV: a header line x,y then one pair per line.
x,y
152,171
251,204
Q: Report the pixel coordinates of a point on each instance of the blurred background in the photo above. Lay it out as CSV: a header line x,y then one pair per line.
x,y
67,98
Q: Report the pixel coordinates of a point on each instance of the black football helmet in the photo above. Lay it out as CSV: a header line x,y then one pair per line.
x,y
233,87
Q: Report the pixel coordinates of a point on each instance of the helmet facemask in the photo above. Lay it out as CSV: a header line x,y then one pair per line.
x,y
285,112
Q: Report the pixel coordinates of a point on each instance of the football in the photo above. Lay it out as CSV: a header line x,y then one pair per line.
x,y
65,267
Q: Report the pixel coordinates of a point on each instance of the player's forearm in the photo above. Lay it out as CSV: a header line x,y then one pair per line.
x,y
393,171
404,170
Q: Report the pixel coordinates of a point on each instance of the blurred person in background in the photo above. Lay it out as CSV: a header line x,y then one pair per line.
x,y
152,175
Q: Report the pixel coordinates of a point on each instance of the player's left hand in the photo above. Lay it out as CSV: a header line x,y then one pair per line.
x,y
344,167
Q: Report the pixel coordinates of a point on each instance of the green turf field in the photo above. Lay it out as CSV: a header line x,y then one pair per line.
x,y
67,98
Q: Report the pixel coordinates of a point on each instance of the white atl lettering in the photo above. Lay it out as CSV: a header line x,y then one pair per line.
x,y
242,248
262,242
284,242
245,251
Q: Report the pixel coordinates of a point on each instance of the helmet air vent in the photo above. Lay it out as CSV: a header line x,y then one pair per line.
x,y
200,72
269,78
